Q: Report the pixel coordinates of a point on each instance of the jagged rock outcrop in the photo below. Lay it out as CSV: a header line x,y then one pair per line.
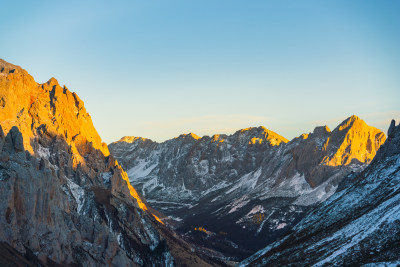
x,y
251,186
358,225
64,198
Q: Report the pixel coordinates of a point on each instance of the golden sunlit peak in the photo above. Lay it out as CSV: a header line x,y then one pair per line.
x,y
131,139
52,81
192,135
245,129
349,122
264,128
251,128
268,135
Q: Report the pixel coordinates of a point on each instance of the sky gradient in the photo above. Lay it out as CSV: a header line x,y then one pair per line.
x,y
157,69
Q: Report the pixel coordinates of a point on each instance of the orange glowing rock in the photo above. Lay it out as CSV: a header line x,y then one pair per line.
x,y
52,110
29,105
360,142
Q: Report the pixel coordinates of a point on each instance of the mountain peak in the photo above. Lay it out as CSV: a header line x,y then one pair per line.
x,y
46,108
391,128
350,121
259,135
354,140
131,139
250,129
321,130
8,68
52,81
190,135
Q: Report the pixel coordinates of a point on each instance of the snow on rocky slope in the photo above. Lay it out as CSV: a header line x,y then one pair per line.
x,y
248,188
359,224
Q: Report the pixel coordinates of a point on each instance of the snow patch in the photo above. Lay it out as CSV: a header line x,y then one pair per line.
x,y
281,226
106,176
256,209
43,152
78,193
141,170
247,181
239,203
175,218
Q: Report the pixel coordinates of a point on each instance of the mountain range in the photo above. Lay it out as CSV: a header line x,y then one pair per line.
x,y
359,225
249,188
252,198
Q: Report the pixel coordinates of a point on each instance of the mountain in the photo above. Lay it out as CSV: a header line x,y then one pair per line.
x,y
245,190
358,225
65,201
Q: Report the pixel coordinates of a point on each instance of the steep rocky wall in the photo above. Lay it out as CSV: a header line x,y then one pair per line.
x,y
64,198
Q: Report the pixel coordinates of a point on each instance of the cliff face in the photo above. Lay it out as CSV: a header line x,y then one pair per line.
x,y
48,107
360,224
65,199
321,154
355,141
252,186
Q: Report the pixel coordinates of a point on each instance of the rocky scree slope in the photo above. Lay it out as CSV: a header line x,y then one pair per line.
x,y
64,199
249,188
359,224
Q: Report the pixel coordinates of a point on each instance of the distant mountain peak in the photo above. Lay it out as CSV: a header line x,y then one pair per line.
x,y
349,122
190,135
321,130
131,139
261,134
354,139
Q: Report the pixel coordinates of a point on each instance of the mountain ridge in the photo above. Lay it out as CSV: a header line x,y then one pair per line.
x,y
359,224
131,139
241,180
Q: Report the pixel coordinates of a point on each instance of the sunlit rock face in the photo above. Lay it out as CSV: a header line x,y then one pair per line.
x,y
47,107
64,198
352,144
359,224
248,188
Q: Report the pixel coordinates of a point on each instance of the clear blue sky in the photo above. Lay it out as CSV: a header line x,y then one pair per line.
x,y
160,68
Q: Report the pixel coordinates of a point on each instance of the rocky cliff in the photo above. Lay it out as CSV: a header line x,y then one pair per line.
x,y
249,188
64,199
358,225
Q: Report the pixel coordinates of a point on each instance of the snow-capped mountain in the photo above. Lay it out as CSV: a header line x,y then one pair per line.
x,y
65,201
246,189
358,225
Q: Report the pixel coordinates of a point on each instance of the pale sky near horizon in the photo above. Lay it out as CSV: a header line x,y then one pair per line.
x,y
157,69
